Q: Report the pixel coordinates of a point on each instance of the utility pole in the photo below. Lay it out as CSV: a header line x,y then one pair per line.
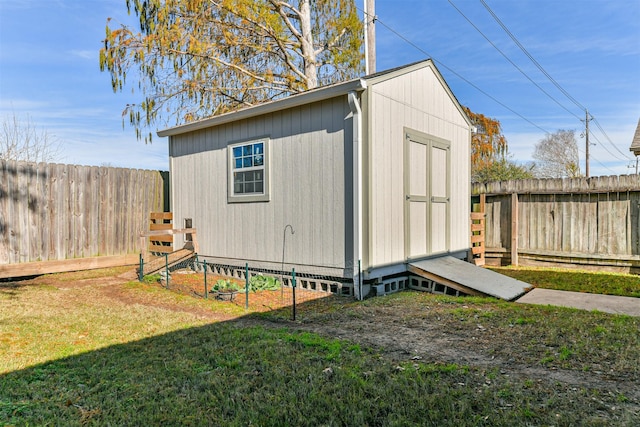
x,y
586,137
369,37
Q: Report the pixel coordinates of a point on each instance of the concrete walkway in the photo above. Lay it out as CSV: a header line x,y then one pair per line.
x,y
605,303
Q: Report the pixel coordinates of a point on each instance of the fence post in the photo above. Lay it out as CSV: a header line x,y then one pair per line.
x,y
206,289
246,285
141,270
514,228
166,268
293,285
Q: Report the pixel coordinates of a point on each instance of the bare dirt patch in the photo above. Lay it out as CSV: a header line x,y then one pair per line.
x,y
442,339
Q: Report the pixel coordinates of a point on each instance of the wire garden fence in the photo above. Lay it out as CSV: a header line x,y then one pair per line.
x,y
255,288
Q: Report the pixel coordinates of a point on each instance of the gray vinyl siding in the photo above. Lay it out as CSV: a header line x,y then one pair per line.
x,y
309,148
419,101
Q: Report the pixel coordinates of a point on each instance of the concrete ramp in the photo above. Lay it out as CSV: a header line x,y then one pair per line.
x,y
468,278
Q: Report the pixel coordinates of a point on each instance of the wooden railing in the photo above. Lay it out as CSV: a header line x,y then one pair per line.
x,y
478,233
159,239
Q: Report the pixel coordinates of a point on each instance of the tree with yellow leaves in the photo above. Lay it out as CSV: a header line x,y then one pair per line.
x,y
489,152
197,58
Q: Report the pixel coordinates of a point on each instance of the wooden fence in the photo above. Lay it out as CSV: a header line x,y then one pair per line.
x,y
591,222
62,212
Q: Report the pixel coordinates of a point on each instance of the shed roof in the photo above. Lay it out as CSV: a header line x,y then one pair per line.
x,y
635,143
307,97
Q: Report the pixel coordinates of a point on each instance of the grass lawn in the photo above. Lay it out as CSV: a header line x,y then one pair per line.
x,y
89,349
627,285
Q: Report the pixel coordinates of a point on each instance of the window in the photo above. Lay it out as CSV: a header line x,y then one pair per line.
x,y
248,167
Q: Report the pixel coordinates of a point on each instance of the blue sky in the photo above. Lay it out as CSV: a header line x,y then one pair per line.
x,y
49,71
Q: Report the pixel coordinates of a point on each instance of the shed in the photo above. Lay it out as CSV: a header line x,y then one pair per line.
x,y
371,174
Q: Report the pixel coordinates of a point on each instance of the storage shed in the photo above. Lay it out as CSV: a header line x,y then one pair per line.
x,y
371,174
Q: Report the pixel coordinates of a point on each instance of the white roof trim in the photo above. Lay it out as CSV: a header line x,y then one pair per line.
x,y
303,98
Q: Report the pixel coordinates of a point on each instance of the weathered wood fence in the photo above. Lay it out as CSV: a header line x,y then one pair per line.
x,y
591,222
62,212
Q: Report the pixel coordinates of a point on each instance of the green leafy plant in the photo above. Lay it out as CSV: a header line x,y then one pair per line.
x,y
225,285
263,283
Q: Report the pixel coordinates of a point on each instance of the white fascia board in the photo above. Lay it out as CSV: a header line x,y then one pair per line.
x,y
297,100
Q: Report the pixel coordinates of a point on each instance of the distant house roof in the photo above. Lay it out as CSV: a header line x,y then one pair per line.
x,y
635,144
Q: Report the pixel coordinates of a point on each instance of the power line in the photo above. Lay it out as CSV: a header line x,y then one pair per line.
x,y
605,148
511,62
515,40
551,79
609,139
441,64
455,73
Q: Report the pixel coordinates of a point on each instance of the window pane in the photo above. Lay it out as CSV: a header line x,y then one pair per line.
x,y
248,169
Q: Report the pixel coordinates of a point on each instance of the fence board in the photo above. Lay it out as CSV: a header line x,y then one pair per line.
x,y
93,206
22,231
56,212
589,217
32,201
4,212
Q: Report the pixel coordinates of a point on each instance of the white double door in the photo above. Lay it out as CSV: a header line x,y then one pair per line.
x,y
427,168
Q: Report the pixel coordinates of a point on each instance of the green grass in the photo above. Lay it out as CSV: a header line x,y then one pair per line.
x,y
576,280
224,375
142,355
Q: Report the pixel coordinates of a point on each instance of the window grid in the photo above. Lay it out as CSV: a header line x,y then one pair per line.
x,y
248,169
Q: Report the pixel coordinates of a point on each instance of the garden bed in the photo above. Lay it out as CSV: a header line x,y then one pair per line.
x,y
191,283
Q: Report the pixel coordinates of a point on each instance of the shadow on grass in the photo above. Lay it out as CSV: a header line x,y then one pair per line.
x,y
237,373
11,287
219,374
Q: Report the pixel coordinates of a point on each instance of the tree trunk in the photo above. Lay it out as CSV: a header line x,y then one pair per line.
x,y
310,69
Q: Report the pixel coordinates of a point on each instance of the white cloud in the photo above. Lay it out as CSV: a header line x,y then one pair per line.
x,y
84,54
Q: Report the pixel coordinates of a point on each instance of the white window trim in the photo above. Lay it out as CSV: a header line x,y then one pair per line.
x,y
242,198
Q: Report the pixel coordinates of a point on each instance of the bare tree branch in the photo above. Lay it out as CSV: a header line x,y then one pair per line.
x,y
20,139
